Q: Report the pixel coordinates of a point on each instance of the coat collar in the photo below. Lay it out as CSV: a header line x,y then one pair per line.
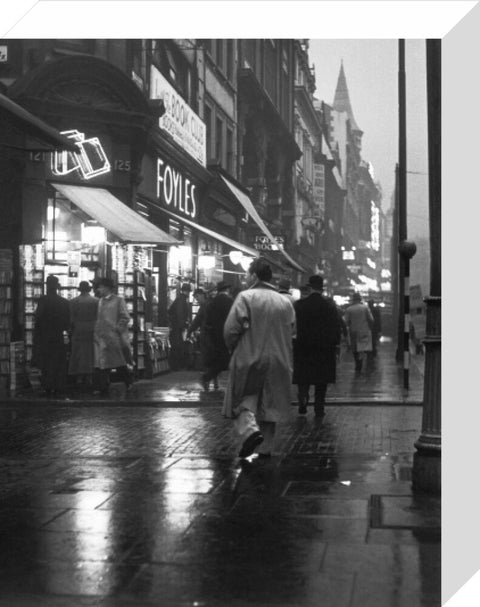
x,y
260,284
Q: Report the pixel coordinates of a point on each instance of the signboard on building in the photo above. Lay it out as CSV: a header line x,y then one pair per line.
x,y
175,191
263,243
183,124
3,53
319,187
375,226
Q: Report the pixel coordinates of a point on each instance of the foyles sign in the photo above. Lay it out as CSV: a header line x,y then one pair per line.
x,y
175,191
179,119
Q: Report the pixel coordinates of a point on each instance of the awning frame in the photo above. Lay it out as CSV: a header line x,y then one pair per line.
x,y
103,206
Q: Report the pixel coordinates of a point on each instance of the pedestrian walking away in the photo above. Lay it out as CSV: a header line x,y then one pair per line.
x,y
377,326
315,346
217,355
284,285
179,316
259,331
83,315
52,323
111,340
196,330
359,321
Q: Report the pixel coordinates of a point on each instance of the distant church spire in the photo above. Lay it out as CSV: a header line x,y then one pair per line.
x,y
341,103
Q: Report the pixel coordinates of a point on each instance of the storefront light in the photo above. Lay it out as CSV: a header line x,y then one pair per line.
x,y
185,255
245,262
93,235
52,213
206,262
235,257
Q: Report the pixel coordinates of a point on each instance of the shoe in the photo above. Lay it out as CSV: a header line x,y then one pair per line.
x,y
319,410
250,444
205,384
302,408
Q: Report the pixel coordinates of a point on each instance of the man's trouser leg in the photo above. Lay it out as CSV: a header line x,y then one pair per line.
x,y
320,393
245,424
303,390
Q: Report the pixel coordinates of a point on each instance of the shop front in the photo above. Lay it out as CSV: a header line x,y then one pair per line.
x,y
77,207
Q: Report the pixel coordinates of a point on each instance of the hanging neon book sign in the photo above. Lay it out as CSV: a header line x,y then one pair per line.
x,y
90,160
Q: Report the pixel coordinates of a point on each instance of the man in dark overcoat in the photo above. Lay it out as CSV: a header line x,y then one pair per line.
x,y
217,355
52,321
315,345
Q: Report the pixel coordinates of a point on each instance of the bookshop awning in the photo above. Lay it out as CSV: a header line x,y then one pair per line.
x,y
232,243
122,221
33,126
247,204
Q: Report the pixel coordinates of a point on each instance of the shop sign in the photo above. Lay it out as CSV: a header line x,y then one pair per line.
x,y
175,191
186,128
263,243
375,226
319,186
90,160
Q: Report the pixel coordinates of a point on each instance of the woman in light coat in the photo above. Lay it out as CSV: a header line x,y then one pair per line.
x,y
259,330
112,348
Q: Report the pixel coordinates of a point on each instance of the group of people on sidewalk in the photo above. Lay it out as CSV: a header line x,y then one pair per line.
x,y
270,341
83,339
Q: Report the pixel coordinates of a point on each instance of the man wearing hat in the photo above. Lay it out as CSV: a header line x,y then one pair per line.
x,y
179,316
284,285
217,355
52,320
315,345
83,314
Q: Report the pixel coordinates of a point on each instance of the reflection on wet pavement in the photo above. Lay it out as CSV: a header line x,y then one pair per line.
x,y
144,506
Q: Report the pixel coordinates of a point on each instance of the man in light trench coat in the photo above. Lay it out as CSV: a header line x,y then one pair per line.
x,y
259,331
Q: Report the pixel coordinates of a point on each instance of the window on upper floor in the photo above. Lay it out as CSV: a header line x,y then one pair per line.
x,y
220,54
175,68
230,69
208,125
219,140
230,152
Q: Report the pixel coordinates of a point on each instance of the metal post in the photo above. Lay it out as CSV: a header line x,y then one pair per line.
x,y
402,195
407,250
427,460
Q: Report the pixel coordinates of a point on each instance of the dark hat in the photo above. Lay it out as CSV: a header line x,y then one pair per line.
x,y
357,297
316,282
199,291
186,287
222,286
52,280
284,283
106,282
84,286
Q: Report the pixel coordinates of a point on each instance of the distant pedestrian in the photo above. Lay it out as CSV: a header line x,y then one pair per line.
x,y
377,326
284,285
259,330
83,315
111,340
359,321
304,291
197,326
315,345
179,316
52,323
217,355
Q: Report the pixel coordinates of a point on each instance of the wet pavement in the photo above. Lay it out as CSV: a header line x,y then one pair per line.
x,y
381,382
136,505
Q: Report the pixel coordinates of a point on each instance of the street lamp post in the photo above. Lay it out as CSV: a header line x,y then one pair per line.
x,y
407,250
427,459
